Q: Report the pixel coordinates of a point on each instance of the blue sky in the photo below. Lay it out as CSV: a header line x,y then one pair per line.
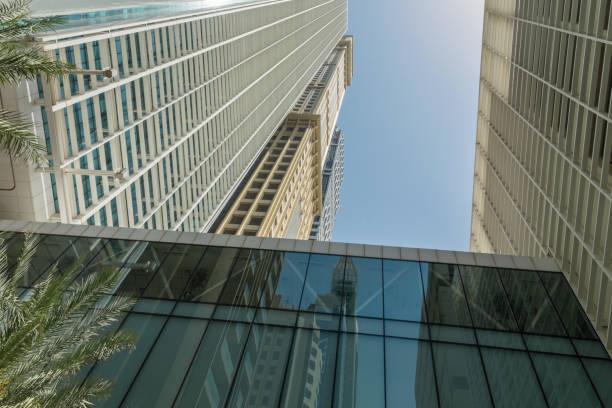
x,y
409,121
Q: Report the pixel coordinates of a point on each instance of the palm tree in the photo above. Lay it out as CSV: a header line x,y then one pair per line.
x,y
20,59
53,330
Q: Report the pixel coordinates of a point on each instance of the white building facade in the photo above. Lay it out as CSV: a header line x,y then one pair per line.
x,y
195,94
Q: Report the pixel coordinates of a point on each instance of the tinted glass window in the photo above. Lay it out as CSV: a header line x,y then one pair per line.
x,y
403,291
286,282
324,284
363,287
208,280
444,294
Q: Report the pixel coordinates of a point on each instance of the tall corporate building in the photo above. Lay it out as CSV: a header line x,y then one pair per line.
x,y
333,176
543,171
172,104
244,321
284,193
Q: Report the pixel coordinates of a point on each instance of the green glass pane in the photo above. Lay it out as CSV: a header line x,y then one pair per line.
x,y
323,289
502,339
461,381
590,348
575,320
444,294
564,381
548,344
409,374
600,372
285,282
48,251
363,287
142,264
260,376
208,280
403,291
488,303
310,375
533,311
512,380
174,272
452,334
161,374
360,372
247,281
122,367
208,381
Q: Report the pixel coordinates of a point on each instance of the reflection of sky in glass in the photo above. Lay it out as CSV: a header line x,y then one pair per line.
x,y
81,13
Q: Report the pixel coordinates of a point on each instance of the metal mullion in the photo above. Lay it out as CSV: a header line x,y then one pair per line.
x,y
197,349
427,323
484,372
568,336
521,333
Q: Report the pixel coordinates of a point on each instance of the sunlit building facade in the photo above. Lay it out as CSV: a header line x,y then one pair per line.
x,y
331,183
171,104
235,321
287,190
543,171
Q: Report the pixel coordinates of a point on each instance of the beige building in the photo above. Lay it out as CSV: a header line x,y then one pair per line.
x,y
282,195
191,94
543,174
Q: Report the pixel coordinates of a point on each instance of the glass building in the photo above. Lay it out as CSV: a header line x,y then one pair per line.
x,y
260,322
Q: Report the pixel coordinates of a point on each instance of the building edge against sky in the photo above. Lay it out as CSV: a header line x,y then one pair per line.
x,y
284,193
543,162
215,84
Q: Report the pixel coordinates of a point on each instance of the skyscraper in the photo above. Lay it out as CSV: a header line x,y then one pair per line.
x,y
283,194
333,176
172,103
543,174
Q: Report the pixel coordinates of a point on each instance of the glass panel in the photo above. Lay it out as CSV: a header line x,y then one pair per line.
x,y
161,375
452,334
277,317
248,278
318,321
209,378
360,372
48,251
403,291
363,287
324,284
531,306
81,250
461,381
590,348
207,282
362,325
568,307
409,374
142,264
122,367
114,253
406,329
173,274
600,372
153,306
310,376
488,303
493,338
14,243
201,310
549,344
286,281
260,376
234,313
511,379
564,381
444,294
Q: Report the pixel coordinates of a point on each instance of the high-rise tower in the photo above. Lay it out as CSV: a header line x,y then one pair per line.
x,y
543,174
171,104
282,195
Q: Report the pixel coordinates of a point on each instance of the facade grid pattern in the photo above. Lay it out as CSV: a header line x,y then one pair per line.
x,y
543,167
243,326
194,100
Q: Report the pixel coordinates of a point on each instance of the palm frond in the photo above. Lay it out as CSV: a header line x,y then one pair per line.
x,y
18,62
18,139
14,9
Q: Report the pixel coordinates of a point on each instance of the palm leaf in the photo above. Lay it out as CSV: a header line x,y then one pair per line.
x,y
18,139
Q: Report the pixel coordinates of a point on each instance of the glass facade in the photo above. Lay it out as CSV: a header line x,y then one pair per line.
x,y
239,327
